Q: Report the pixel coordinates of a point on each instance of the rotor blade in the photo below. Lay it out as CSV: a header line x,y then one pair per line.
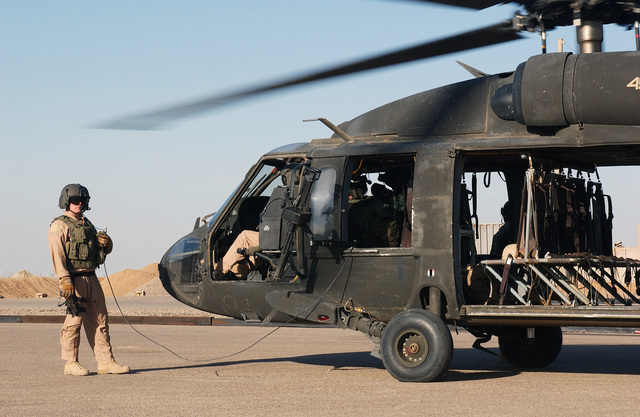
x,y
501,32
471,4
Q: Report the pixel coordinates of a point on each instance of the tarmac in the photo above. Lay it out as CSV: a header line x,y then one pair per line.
x,y
136,310
155,304
242,370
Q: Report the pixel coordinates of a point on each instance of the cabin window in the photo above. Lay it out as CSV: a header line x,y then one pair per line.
x,y
321,205
379,201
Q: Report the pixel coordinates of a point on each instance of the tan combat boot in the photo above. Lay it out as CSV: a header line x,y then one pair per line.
x,y
74,368
112,368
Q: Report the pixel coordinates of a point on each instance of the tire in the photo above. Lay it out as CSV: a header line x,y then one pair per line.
x,y
538,352
416,346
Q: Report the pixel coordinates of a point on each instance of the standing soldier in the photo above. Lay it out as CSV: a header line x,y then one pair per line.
x,y
76,251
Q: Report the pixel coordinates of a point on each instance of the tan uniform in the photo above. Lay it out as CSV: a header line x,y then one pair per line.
x,y
95,318
245,240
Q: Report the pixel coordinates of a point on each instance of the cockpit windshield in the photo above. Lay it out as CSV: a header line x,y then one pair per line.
x,y
264,181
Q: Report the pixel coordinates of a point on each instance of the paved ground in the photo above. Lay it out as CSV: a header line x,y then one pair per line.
x,y
131,306
304,371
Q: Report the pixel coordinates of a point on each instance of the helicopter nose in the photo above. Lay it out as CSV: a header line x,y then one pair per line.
x,y
165,275
181,270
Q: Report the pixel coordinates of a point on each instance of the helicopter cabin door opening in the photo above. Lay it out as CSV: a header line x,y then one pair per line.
x,y
254,219
540,235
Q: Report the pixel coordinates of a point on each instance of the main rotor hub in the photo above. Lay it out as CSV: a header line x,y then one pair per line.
x,y
553,13
588,16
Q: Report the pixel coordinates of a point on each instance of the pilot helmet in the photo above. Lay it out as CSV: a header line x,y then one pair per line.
x,y
74,190
505,211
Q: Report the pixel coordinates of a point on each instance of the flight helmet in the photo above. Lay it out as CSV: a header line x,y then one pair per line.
x,y
74,190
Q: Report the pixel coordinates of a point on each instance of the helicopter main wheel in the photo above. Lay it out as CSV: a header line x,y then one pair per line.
x,y
537,352
416,346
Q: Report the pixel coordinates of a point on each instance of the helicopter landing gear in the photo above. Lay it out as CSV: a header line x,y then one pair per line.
x,y
535,347
416,346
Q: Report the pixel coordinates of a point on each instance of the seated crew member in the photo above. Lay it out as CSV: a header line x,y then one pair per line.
x,y
231,262
395,196
358,189
504,235
372,220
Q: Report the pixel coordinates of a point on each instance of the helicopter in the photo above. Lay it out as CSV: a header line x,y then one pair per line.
x,y
375,228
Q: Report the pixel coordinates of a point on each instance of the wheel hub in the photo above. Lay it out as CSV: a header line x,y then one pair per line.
x,y
413,349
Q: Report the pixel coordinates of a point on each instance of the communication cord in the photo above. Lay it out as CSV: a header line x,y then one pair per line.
x,y
217,358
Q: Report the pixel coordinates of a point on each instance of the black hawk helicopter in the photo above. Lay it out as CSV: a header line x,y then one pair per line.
x,y
375,228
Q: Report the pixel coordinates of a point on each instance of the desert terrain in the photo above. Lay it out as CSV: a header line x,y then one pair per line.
x,y
137,293
125,283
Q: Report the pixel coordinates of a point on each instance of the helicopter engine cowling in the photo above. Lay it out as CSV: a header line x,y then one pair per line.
x,y
561,89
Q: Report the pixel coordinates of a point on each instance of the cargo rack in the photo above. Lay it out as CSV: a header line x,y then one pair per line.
x,y
572,290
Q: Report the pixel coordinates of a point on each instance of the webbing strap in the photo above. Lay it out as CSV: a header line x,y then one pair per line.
x,y
504,285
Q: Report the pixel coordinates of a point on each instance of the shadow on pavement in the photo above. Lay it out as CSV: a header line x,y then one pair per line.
x,y
335,360
575,359
467,364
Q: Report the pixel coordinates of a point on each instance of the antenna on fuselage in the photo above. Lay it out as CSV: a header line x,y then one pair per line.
x,y
333,127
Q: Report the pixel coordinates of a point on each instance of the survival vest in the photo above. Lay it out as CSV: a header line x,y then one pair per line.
x,y
82,248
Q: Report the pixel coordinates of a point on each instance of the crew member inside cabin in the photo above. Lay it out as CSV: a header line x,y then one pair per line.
x,y
504,235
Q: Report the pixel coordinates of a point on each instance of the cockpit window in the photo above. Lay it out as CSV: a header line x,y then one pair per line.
x,y
264,182
214,216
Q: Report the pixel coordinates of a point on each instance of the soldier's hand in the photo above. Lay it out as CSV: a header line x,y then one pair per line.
x,y
105,242
66,287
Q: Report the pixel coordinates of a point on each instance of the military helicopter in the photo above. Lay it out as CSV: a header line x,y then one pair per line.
x,y
374,228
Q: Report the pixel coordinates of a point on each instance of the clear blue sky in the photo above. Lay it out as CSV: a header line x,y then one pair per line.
x,y
67,65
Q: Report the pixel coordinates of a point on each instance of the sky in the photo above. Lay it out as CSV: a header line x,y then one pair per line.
x,y
66,66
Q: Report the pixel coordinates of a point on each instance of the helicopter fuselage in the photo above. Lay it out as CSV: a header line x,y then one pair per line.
x,y
357,229
437,136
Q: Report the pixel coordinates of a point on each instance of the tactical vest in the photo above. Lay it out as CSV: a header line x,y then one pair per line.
x,y
82,247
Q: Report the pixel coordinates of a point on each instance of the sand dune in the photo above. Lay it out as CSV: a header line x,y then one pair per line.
x,y
25,285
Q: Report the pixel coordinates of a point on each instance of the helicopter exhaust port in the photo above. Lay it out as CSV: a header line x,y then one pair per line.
x,y
562,89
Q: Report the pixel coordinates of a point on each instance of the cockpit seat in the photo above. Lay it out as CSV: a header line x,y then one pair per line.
x,y
249,213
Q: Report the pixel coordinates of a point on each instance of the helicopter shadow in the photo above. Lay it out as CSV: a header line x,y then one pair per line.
x,y
573,359
598,359
468,364
347,360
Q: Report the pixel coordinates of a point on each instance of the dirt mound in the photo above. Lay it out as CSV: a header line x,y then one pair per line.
x,y
25,285
127,280
23,274
151,268
153,287
28,286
